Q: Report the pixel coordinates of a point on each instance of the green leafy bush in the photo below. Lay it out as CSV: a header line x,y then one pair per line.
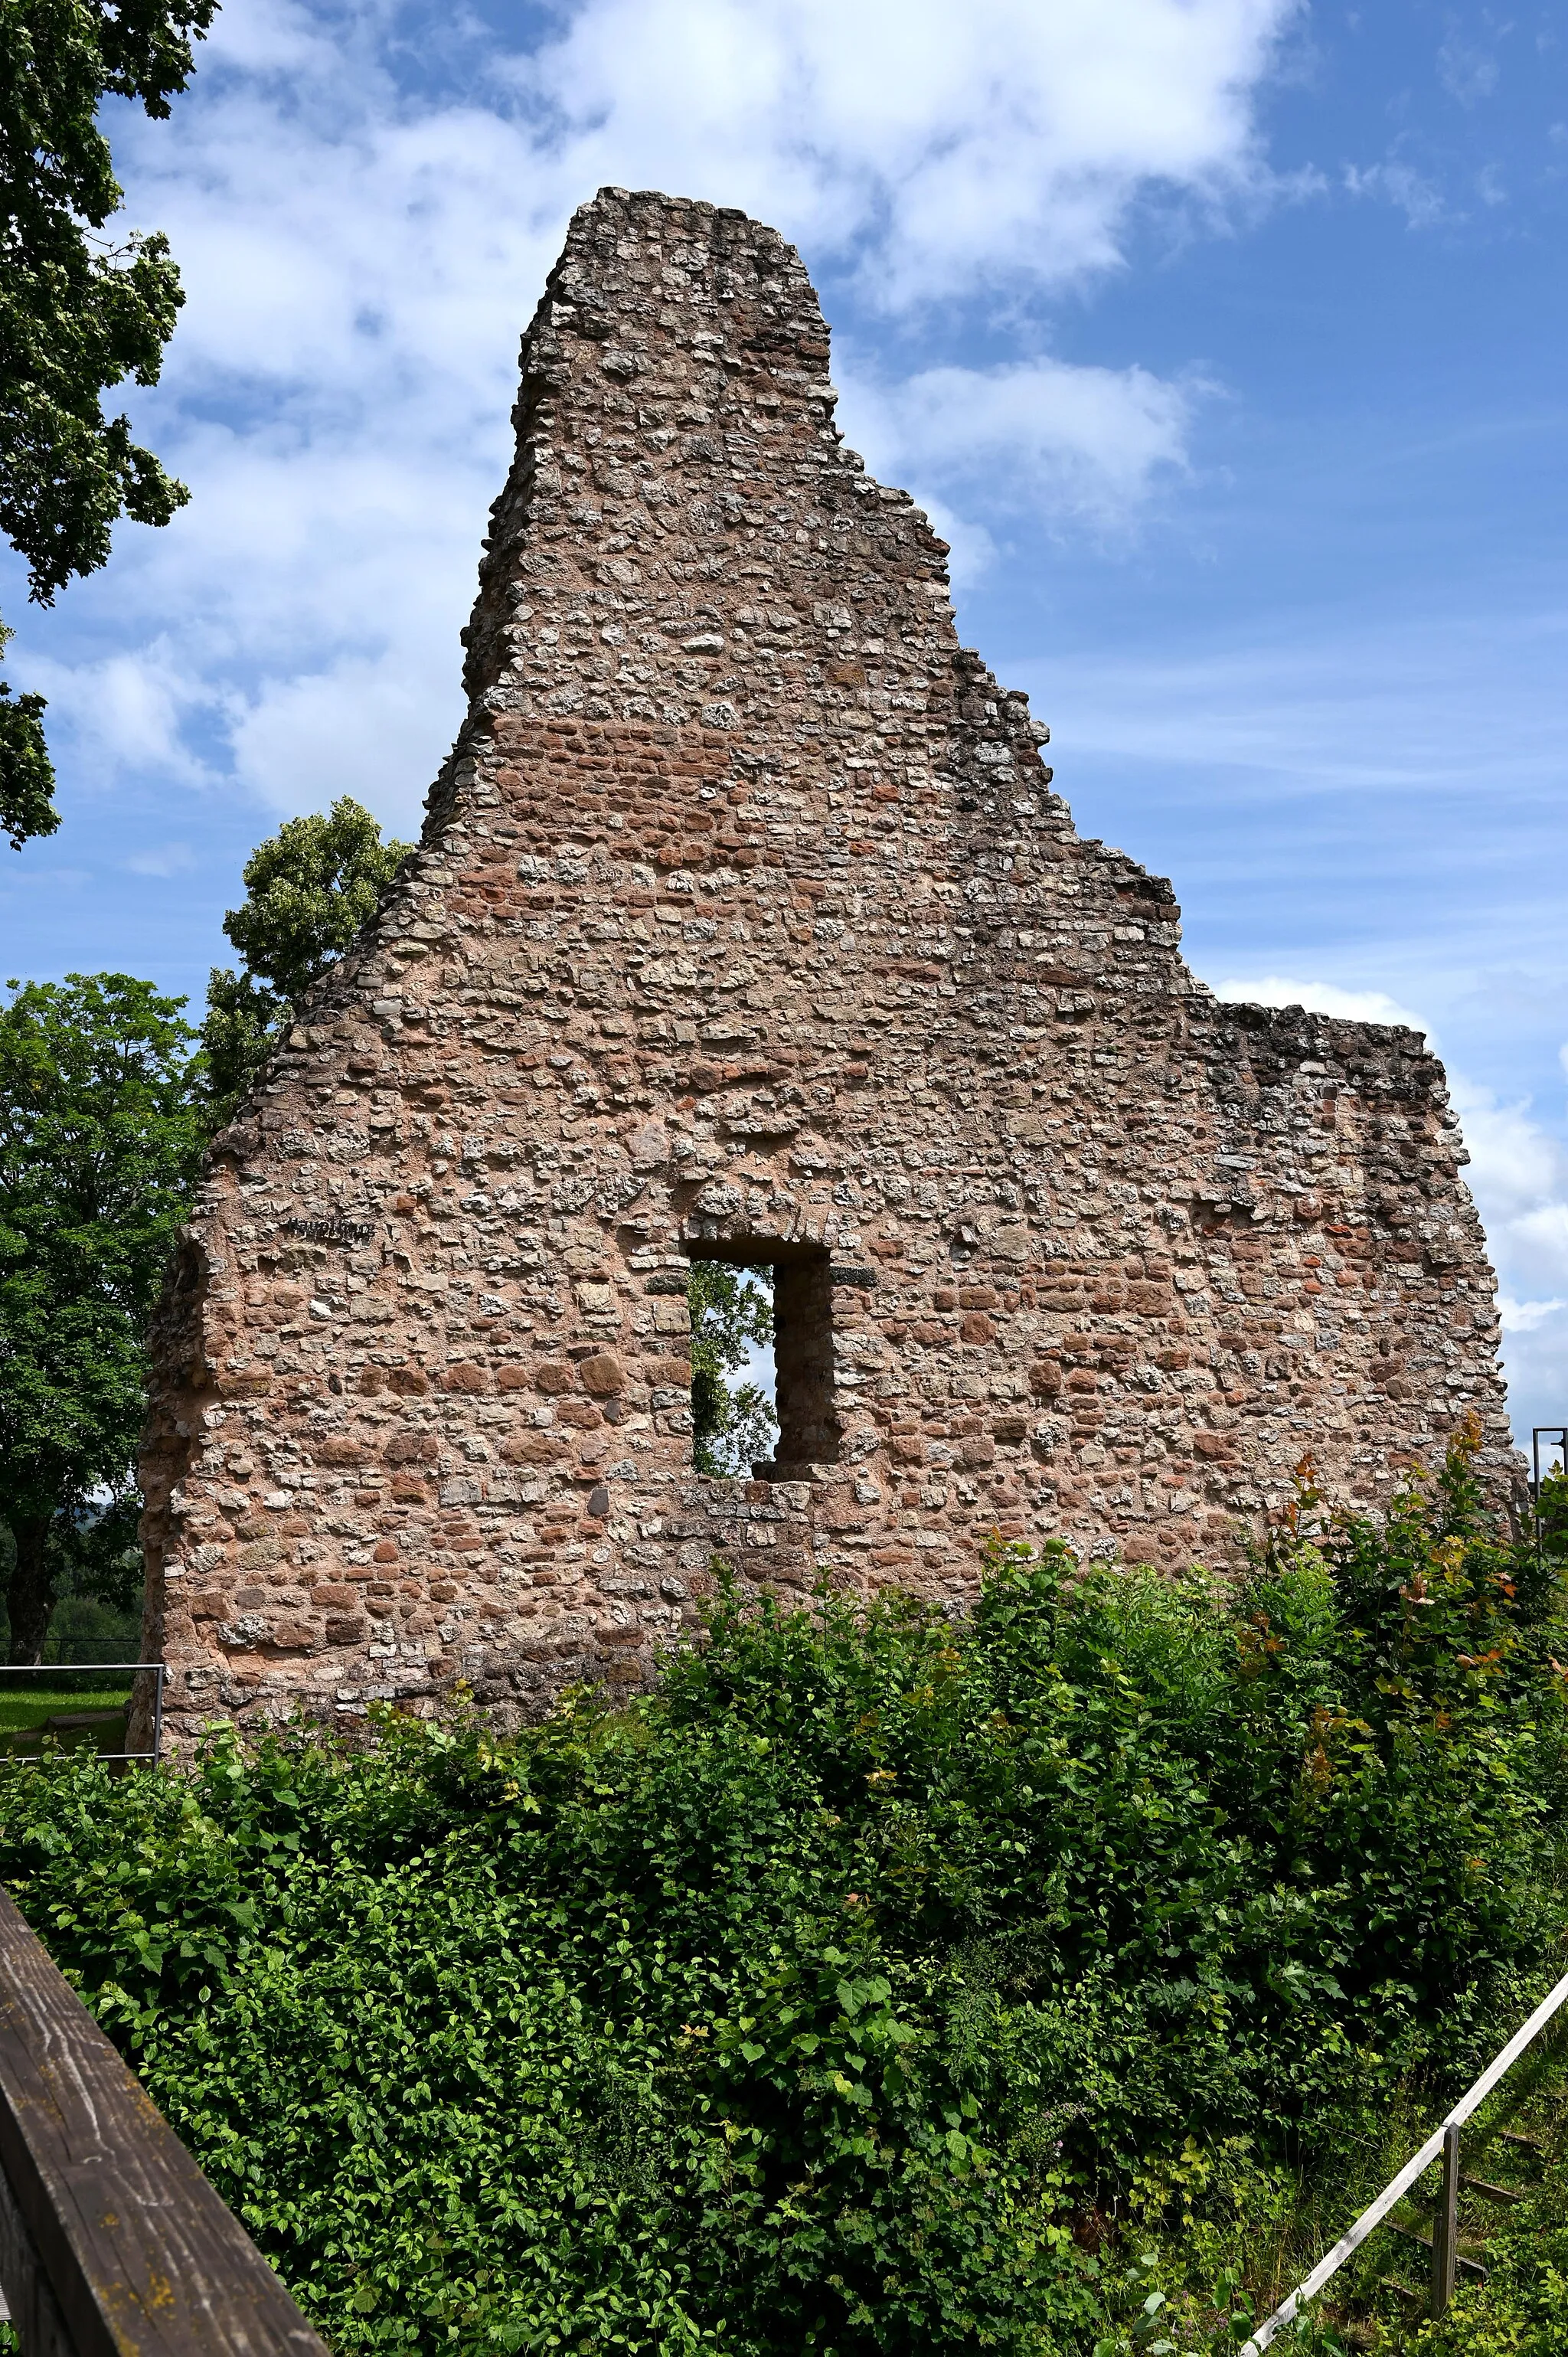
x,y
816,2003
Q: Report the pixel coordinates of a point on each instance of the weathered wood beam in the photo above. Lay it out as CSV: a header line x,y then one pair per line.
x,y
113,2244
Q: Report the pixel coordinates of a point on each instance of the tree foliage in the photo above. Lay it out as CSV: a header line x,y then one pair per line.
x,y
310,889
98,1148
79,313
239,1031
1551,1515
733,1425
103,1110
809,2007
26,773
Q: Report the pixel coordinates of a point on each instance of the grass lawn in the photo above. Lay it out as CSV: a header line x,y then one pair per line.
x,y
25,1711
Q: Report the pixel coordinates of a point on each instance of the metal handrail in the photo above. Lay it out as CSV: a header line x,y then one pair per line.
x,y
158,1670
1555,1438
1443,2140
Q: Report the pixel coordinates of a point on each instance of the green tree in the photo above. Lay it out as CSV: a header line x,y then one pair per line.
x,y
79,313
310,889
94,1576
732,1309
99,1142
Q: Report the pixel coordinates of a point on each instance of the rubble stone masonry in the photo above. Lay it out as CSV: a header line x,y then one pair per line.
x,y
747,924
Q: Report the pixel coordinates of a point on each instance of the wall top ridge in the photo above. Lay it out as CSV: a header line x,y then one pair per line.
x,y
650,313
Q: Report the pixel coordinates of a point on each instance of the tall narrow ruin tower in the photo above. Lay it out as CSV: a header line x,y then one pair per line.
x,y
746,925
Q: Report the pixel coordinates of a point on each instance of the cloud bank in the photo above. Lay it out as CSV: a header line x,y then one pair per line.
x,y
362,247
927,145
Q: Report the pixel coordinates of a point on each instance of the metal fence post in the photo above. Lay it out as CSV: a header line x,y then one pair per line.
x,y
1555,1439
1445,2225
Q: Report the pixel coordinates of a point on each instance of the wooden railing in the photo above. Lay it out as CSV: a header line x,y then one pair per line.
x,y
113,2244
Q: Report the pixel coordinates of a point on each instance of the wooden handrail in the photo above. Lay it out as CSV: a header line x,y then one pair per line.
x,y
113,2244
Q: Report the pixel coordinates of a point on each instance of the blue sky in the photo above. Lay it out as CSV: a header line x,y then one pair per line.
x,y
1226,339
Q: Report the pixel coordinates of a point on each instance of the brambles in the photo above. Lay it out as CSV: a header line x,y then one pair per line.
x,y
838,1996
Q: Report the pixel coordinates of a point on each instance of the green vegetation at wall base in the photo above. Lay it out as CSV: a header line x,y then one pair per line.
x,y
841,1995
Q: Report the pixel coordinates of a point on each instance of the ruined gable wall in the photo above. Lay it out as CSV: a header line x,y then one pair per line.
x,y
746,915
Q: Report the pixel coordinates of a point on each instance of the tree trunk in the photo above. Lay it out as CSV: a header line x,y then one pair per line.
x,y
28,1599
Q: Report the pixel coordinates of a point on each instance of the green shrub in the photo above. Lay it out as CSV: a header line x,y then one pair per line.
x,y
810,2004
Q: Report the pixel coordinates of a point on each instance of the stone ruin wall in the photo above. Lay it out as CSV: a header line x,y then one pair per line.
x,y
745,921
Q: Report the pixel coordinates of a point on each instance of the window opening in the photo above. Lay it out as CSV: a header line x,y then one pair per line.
x,y
734,1420
761,1357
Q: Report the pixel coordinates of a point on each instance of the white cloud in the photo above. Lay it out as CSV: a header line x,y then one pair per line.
x,y
125,712
360,257
1466,71
1401,185
1002,138
1524,1317
1541,1236
1516,1168
162,859
1319,997
371,728
1029,437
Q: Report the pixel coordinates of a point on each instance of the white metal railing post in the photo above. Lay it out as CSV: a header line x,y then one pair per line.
x,y
1373,2216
